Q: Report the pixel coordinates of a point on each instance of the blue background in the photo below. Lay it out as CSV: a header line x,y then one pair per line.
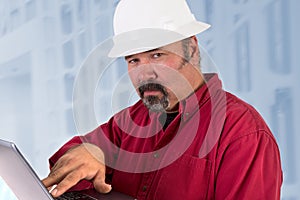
x,y
43,43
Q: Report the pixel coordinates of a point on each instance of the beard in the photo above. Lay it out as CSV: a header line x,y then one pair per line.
x,y
153,102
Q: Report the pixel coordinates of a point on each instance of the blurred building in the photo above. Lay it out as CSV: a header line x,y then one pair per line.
x,y
44,42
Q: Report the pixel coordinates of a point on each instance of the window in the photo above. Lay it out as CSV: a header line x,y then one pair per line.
x,y
69,82
240,1
68,53
283,128
242,58
81,11
83,44
278,37
15,19
100,5
209,10
66,19
30,6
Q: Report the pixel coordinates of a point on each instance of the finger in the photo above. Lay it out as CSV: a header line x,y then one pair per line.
x,y
52,179
65,184
55,176
99,182
63,167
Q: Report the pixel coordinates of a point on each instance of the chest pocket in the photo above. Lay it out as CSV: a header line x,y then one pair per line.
x,y
187,178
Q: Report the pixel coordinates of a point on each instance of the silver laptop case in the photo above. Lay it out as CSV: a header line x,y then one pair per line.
x,y
19,176
26,185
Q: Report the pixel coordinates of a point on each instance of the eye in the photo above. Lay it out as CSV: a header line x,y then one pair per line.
x,y
133,61
157,55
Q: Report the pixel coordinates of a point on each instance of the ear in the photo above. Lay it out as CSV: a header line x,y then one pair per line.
x,y
194,51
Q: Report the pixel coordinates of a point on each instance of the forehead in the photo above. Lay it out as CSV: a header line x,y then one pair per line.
x,y
175,48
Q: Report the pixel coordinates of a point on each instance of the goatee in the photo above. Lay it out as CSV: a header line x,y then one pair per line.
x,y
152,102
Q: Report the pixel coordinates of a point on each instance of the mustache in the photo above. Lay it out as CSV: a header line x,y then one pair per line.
x,y
152,87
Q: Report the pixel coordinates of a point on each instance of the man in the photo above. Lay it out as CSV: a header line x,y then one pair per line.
x,y
186,138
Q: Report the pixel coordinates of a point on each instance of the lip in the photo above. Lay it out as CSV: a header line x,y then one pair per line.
x,y
152,93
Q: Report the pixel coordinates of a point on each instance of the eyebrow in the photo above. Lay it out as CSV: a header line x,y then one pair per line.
x,y
130,56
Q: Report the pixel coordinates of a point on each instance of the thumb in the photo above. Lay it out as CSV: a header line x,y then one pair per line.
x,y
100,185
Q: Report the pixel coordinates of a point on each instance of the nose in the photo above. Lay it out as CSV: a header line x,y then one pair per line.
x,y
146,71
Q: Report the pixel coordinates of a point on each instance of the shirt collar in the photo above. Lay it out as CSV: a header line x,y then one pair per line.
x,y
196,100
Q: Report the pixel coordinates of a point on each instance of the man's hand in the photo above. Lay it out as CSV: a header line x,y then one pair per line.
x,y
85,161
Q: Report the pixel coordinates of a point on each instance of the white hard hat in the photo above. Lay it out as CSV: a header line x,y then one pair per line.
x,y
142,25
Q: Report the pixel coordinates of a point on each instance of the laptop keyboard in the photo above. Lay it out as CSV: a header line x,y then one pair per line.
x,y
74,196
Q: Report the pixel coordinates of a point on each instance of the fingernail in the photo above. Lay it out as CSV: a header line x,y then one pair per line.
x,y
54,192
52,188
108,189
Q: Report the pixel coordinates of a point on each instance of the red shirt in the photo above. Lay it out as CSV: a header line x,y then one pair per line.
x,y
218,147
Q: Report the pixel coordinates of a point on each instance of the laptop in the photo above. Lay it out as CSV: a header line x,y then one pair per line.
x,y
26,185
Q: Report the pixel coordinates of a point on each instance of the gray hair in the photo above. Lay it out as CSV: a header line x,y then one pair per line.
x,y
186,54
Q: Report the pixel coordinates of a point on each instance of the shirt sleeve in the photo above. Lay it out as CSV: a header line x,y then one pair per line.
x,y
249,168
71,143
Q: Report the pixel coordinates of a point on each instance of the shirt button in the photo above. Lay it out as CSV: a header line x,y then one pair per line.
x,y
156,155
144,188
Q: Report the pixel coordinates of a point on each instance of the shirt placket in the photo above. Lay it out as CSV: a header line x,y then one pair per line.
x,y
144,187
147,179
